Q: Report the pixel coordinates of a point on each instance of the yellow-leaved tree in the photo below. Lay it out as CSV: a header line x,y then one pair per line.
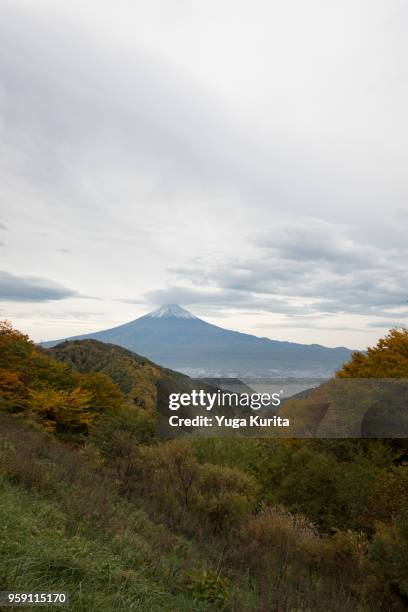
x,y
388,359
58,397
61,410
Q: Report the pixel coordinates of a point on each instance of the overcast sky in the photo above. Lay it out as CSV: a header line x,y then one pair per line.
x,y
245,159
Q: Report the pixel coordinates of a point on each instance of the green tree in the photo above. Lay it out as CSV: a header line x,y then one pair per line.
x,y
106,396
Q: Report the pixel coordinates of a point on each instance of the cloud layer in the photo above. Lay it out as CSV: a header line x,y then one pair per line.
x,y
310,266
31,289
248,163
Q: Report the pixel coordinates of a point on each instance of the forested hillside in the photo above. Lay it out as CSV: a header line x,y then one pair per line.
x,y
144,383
93,503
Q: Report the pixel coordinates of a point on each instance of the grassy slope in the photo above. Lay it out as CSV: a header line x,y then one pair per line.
x,y
38,552
63,527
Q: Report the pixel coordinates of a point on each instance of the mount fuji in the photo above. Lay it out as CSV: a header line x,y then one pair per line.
x,y
175,338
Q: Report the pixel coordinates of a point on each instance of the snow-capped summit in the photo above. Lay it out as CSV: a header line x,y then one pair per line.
x,y
171,310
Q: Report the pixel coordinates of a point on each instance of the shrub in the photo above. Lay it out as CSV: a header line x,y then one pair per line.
x,y
389,551
202,498
170,471
208,587
223,496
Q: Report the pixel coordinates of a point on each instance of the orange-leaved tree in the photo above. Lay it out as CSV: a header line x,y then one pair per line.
x,y
388,359
58,397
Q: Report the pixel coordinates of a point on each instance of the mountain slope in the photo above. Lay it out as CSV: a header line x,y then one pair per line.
x,y
175,338
143,382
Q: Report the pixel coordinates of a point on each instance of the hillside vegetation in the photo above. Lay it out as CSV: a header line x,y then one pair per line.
x,y
144,383
93,503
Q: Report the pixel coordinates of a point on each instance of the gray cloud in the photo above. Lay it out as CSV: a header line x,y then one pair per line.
x,y
83,316
222,298
311,260
174,137
31,289
270,176
322,242
131,300
310,324
3,228
402,215
386,324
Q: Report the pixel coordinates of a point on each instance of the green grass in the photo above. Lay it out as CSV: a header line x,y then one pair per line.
x,y
40,552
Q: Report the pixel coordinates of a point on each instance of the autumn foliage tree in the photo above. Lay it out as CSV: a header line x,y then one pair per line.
x,y
52,393
15,347
60,410
388,359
